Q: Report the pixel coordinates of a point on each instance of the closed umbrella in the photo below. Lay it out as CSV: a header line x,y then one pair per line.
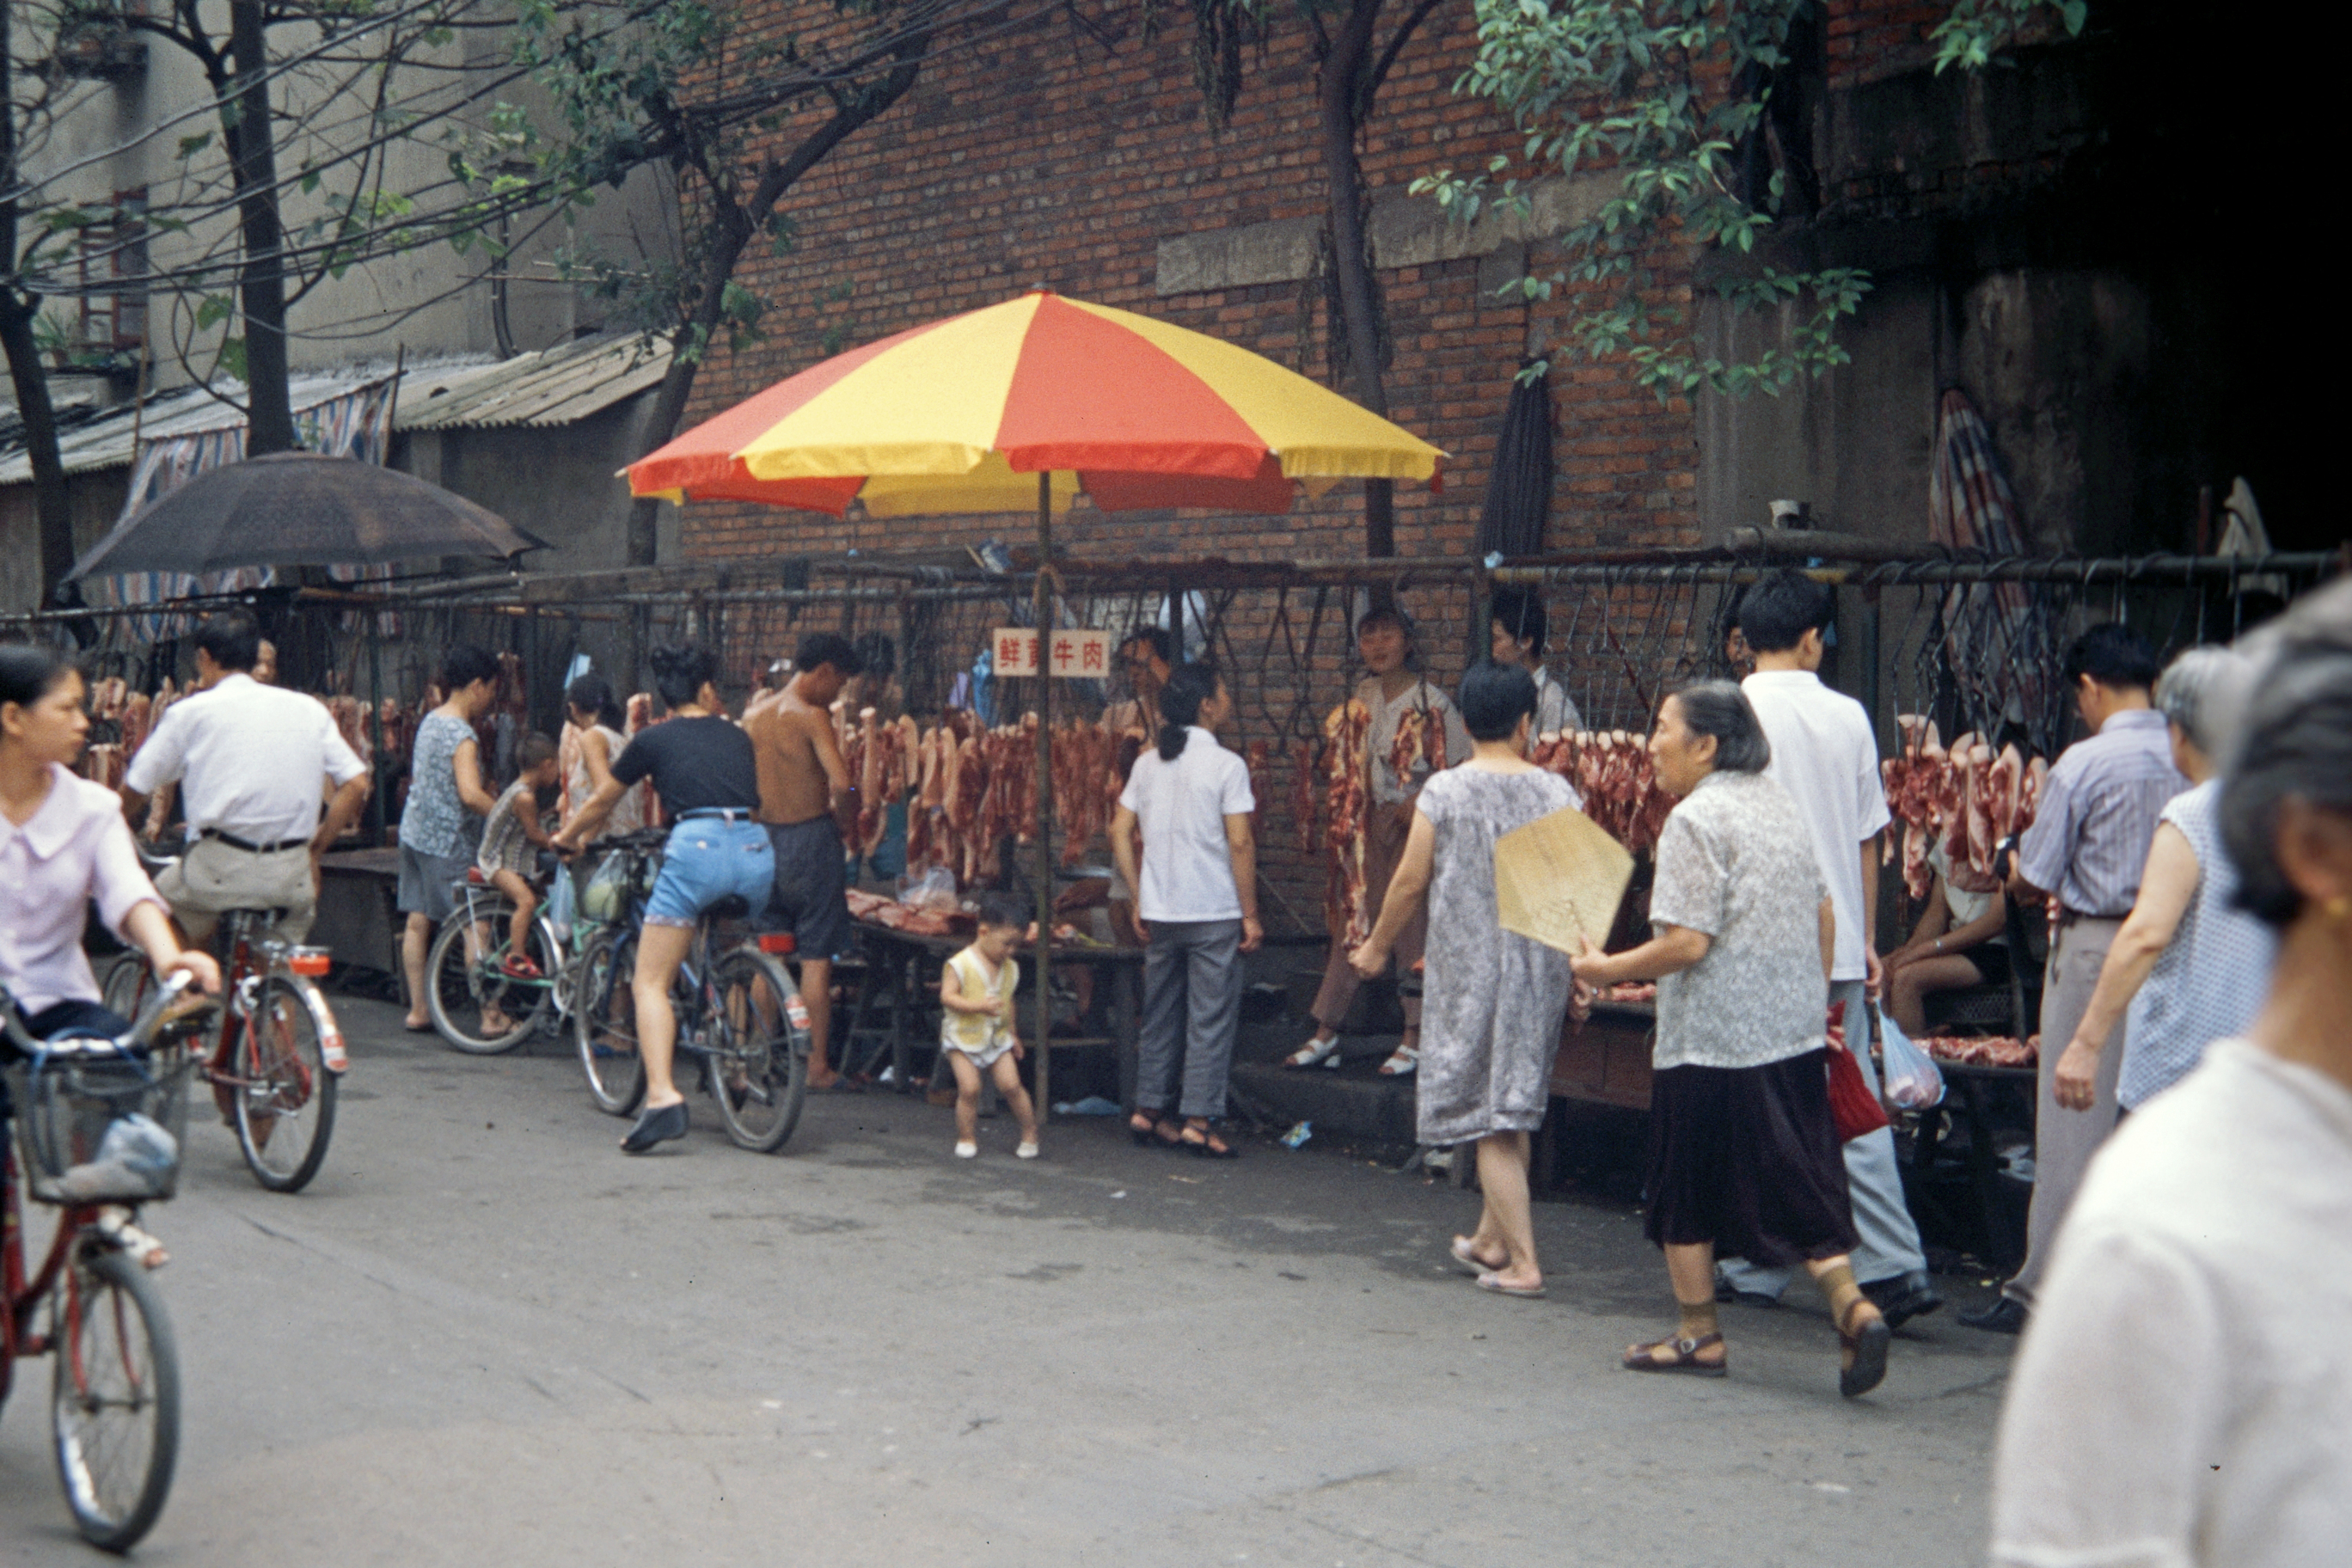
x,y
1028,403
300,508
1518,490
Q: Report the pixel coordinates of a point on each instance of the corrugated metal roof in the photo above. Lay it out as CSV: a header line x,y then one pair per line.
x,y
551,387
555,387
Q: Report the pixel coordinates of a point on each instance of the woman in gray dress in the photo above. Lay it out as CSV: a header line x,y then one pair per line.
x,y
1491,1001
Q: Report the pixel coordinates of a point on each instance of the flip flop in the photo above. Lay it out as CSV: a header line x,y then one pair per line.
x,y
1467,1256
1490,1281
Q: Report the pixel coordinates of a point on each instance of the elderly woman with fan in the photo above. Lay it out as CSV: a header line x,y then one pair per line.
x,y
1744,1150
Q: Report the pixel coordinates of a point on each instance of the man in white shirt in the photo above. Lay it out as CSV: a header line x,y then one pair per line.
x,y
1824,754
252,761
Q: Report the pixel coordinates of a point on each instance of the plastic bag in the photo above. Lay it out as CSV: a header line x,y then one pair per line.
x,y
562,902
608,890
1913,1080
934,891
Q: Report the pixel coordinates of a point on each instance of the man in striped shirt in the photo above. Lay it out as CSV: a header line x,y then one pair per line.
x,y
2087,848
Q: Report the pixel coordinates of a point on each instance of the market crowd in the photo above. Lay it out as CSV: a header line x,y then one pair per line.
x,y
2182,1394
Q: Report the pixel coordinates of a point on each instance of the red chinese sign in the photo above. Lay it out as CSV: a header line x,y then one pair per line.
x,y
1075,655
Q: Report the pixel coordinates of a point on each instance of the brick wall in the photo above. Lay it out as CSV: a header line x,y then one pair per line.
x,y
1039,158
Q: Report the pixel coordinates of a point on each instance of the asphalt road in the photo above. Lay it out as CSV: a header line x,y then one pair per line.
x,y
486,1336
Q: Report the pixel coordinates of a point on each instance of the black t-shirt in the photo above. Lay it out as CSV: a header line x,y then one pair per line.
x,y
698,764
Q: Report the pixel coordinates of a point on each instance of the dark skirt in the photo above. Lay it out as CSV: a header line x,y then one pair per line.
x,y
1748,1159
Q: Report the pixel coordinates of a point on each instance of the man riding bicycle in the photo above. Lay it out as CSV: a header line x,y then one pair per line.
x,y
63,844
252,761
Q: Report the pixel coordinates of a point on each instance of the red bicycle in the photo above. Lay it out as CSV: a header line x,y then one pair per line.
x,y
276,1068
98,1125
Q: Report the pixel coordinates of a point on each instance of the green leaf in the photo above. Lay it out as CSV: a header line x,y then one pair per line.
x,y
192,145
232,357
212,311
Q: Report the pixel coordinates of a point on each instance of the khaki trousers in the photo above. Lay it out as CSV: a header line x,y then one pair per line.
x,y
214,877
2064,1139
1385,830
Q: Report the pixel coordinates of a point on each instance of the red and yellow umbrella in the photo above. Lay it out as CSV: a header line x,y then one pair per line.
x,y
961,414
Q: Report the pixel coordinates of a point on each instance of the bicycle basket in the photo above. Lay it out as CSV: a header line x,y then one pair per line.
x,y
101,1129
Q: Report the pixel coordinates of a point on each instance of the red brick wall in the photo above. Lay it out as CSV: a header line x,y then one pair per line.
x,y
1870,39
1038,158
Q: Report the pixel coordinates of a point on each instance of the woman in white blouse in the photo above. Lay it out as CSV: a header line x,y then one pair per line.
x,y
64,845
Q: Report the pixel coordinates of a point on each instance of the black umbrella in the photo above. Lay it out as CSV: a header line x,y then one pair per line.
x,y
1518,488
300,508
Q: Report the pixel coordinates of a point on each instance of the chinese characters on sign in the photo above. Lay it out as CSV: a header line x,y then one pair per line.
x,y
1077,655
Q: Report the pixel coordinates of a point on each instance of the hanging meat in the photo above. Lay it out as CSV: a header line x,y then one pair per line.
x,y
1348,804
1257,757
1303,773
1964,797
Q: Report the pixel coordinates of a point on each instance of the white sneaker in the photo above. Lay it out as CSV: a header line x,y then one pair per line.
x,y
967,1151
1026,1151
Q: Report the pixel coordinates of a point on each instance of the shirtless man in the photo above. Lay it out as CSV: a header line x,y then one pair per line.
x,y
805,793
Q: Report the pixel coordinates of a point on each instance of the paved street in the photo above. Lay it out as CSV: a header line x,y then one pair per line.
x,y
485,1336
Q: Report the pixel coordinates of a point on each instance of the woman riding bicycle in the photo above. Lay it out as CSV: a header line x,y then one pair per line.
x,y
63,843
701,765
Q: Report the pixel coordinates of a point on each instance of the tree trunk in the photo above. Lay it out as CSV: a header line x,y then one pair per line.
x,y
52,503
1341,92
252,146
733,230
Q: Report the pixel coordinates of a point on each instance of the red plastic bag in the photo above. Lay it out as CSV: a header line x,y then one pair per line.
x,y
1853,1106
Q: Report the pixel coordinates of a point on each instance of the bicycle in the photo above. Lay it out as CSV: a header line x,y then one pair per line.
x,y
279,1060
740,1018
465,970
115,1399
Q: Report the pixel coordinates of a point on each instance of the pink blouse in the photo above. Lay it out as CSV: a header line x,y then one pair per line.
x,y
77,848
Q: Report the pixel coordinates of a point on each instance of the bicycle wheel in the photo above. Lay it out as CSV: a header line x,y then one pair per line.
x,y
123,989
605,1022
286,1106
758,1051
462,987
115,1401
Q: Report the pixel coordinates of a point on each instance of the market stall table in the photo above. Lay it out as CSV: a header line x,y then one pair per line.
x,y
358,915
895,956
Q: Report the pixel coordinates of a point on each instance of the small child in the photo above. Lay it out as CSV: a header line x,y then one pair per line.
x,y
976,1027
509,839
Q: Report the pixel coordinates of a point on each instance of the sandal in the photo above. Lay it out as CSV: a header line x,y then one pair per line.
x,y
518,967
1645,1358
1142,1126
1862,1352
1207,1144
1315,1053
1402,1062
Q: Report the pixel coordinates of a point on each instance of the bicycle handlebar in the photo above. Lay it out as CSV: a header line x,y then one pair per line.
x,y
141,1032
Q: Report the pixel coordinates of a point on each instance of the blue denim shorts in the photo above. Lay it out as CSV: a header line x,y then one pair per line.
x,y
705,860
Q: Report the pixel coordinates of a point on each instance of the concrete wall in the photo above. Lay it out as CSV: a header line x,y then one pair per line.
x,y
559,482
126,134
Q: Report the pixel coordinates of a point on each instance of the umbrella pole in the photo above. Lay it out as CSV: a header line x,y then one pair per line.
x,y
1041,1039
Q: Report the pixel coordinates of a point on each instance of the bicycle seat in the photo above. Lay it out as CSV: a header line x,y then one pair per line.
x,y
734,907
474,878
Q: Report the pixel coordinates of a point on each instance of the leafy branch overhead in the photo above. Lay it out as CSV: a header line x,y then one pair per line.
x,y
1691,105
